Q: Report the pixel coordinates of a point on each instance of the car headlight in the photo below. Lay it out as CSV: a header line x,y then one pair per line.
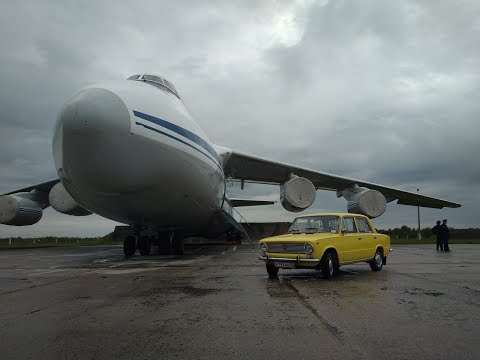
x,y
263,248
308,249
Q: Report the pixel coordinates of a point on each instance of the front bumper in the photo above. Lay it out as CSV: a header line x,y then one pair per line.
x,y
296,261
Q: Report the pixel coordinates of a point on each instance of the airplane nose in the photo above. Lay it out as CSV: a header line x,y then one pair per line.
x,y
91,129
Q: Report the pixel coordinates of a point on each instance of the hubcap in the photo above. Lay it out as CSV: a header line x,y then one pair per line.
x,y
378,259
330,266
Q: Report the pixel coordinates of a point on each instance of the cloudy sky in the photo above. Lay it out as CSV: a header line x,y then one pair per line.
x,y
384,91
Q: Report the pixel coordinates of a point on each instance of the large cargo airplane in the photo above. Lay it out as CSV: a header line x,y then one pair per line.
x,y
130,151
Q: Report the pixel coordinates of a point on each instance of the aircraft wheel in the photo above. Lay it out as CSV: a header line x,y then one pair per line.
x,y
129,246
144,245
163,244
229,237
178,245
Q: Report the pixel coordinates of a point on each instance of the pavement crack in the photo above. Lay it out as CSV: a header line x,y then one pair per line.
x,y
331,328
34,311
40,285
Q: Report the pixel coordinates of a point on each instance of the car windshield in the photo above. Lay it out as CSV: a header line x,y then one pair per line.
x,y
315,224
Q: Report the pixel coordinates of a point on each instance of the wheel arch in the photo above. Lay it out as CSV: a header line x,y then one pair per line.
x,y
380,247
330,249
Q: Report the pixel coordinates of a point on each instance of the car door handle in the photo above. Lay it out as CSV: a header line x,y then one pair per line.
x,y
359,238
375,237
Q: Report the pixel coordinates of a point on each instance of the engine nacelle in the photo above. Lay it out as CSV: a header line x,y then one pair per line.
x,y
297,194
19,211
365,201
62,201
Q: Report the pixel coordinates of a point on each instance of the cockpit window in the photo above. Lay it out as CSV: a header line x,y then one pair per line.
x,y
170,85
157,82
153,78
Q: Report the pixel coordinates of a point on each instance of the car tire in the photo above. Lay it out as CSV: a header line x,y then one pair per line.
x,y
329,265
272,271
376,263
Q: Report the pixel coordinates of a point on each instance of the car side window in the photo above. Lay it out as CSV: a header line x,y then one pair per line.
x,y
349,225
363,226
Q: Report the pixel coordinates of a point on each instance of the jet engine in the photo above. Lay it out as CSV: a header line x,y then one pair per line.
x,y
365,201
63,202
297,194
19,211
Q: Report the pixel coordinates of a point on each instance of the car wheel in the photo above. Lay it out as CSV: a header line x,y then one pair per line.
x,y
272,271
376,263
328,265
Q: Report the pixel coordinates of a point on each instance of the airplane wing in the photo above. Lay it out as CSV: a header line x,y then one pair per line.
x,y
44,187
251,168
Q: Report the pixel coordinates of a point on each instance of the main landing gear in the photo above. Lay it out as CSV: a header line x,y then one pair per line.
x,y
168,243
171,243
129,245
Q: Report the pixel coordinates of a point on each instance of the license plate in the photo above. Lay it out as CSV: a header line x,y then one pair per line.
x,y
283,264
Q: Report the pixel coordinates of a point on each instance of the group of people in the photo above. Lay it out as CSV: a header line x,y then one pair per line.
x,y
443,235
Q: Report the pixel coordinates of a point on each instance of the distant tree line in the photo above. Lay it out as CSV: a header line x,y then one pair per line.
x,y
262,230
406,232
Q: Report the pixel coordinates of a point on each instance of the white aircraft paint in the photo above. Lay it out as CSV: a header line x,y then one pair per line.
x,y
133,153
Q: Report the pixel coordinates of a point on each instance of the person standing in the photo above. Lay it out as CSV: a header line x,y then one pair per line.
x,y
445,235
436,230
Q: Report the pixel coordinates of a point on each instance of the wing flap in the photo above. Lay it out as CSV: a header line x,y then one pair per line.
x,y
44,187
248,202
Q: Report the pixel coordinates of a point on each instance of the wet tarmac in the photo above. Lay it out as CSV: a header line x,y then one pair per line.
x,y
217,302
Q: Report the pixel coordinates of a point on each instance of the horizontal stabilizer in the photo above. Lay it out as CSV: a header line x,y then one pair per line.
x,y
247,202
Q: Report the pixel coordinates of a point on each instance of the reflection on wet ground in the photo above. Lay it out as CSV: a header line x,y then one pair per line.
x,y
217,302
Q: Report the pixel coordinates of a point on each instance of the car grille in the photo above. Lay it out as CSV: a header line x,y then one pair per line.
x,y
295,248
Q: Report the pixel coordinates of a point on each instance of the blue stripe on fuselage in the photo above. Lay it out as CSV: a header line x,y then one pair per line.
x,y
180,140
179,130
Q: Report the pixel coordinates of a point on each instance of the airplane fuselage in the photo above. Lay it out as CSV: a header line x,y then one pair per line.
x,y
132,152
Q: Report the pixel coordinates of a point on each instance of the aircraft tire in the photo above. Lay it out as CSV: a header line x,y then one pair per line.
x,y
178,245
163,245
144,245
129,246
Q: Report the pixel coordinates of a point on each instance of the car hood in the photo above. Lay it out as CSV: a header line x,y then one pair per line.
x,y
292,238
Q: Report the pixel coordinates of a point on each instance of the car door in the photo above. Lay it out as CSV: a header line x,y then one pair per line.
x,y
366,236
350,239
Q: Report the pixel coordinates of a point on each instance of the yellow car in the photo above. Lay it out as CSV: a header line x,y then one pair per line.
x,y
325,242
